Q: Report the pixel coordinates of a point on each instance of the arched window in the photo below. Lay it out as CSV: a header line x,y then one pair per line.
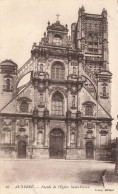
x,y
24,106
57,40
57,71
57,104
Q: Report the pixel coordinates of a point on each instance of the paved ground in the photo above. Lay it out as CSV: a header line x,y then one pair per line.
x,y
56,172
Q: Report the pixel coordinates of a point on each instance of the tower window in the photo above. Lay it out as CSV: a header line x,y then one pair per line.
x,y
57,104
7,83
57,71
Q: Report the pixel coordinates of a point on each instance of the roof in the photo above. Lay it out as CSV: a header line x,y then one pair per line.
x,y
8,61
57,26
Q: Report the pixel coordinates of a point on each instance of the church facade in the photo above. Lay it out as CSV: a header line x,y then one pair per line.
x,y
64,110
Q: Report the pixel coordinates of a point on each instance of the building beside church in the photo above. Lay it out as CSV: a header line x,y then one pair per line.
x,y
64,111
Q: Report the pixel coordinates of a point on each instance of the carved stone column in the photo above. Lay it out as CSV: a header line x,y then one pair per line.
x,y
46,95
1,124
68,133
36,62
109,134
46,131
78,97
13,131
35,132
97,136
35,93
69,97
78,133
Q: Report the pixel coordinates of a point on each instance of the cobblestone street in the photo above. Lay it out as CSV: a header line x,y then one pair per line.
x,y
64,173
57,171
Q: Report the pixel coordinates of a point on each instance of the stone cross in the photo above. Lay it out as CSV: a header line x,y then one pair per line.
x,y
57,17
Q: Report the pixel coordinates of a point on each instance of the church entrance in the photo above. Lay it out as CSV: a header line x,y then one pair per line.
x,y
89,150
56,143
21,149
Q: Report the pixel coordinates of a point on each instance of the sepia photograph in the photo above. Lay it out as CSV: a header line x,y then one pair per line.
x,y
58,96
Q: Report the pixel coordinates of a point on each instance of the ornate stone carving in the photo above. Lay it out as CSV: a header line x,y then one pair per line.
x,y
41,87
64,91
103,126
89,125
57,124
57,26
40,125
73,126
22,123
7,122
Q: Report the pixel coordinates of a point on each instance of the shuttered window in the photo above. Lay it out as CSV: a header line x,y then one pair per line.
x,y
57,72
57,104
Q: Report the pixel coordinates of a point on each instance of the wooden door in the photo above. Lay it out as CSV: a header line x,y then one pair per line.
x,y
89,150
56,143
22,149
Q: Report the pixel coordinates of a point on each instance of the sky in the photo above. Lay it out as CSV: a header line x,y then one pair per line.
x,y
24,22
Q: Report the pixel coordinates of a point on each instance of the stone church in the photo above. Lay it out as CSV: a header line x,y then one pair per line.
x,y
64,110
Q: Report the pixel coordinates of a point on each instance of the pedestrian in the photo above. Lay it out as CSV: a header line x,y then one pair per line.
x,y
103,178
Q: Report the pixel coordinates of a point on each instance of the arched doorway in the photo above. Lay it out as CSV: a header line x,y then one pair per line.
x,y
89,150
21,149
56,143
